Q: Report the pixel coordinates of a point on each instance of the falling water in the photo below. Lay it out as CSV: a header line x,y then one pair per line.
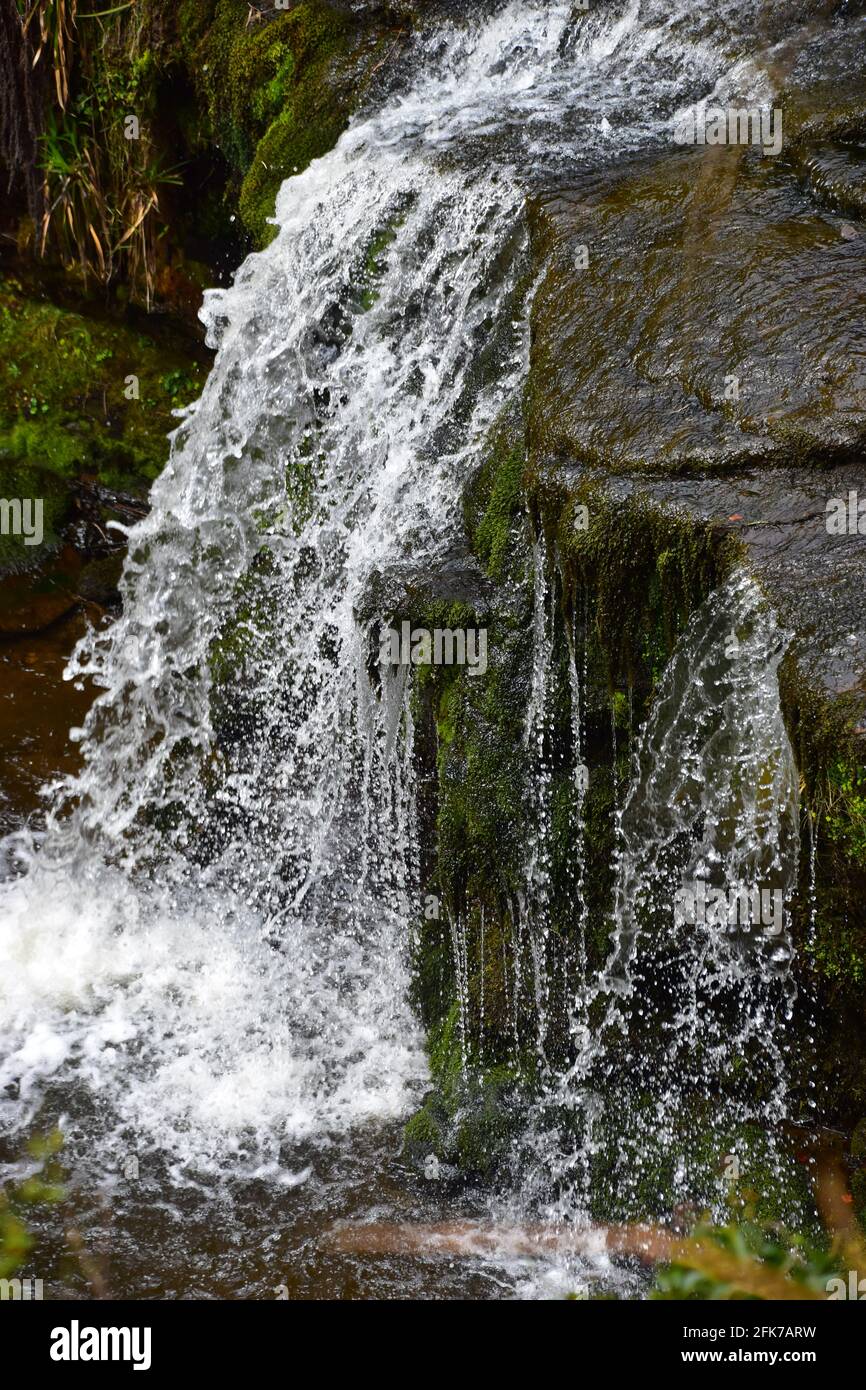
x,y
220,943
204,957
678,1041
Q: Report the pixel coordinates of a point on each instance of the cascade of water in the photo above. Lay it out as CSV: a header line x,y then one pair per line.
x,y
212,935
533,925
550,961
811,1029
577,682
688,1008
224,893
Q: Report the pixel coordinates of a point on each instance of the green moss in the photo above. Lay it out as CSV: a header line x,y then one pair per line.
x,y
469,1121
375,262
25,481
279,94
647,568
829,922
299,135
845,808
63,391
624,582
422,1134
494,500
638,1169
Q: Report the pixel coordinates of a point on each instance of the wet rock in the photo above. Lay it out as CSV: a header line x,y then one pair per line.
x,y
779,520
99,580
718,323
699,341
409,590
699,355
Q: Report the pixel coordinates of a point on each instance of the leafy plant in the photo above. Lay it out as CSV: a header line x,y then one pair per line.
x,y
101,189
746,1259
43,1185
55,22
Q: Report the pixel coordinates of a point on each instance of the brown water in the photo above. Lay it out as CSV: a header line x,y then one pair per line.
x,y
143,1238
37,709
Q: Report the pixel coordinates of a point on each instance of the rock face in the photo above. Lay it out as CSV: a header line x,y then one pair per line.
x,y
718,325
699,359
698,385
712,357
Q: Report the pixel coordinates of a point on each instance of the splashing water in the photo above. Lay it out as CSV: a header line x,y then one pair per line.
x,y
678,1041
205,954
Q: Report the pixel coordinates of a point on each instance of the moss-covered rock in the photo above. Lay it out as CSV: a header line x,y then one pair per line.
x,y
279,91
469,1121
86,402
88,393
620,586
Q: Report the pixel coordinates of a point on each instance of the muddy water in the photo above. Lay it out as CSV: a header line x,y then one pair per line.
x,y
142,1238
37,710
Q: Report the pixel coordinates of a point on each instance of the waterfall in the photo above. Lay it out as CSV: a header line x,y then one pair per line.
x,y
685,1019
213,931
206,954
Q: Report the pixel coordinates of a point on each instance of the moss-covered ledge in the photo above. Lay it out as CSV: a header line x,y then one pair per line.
x,y
279,91
626,566
623,577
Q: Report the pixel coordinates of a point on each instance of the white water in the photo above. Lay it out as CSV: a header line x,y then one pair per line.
x,y
210,941
679,1077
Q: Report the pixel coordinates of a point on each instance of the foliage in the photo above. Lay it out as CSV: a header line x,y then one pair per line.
x,y
749,1259
63,406
845,807
42,1185
103,171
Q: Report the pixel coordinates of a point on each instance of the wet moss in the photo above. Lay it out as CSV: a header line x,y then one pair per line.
x,y
494,500
626,575
646,567
625,586
375,262
827,736
640,1171
470,1119
26,480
